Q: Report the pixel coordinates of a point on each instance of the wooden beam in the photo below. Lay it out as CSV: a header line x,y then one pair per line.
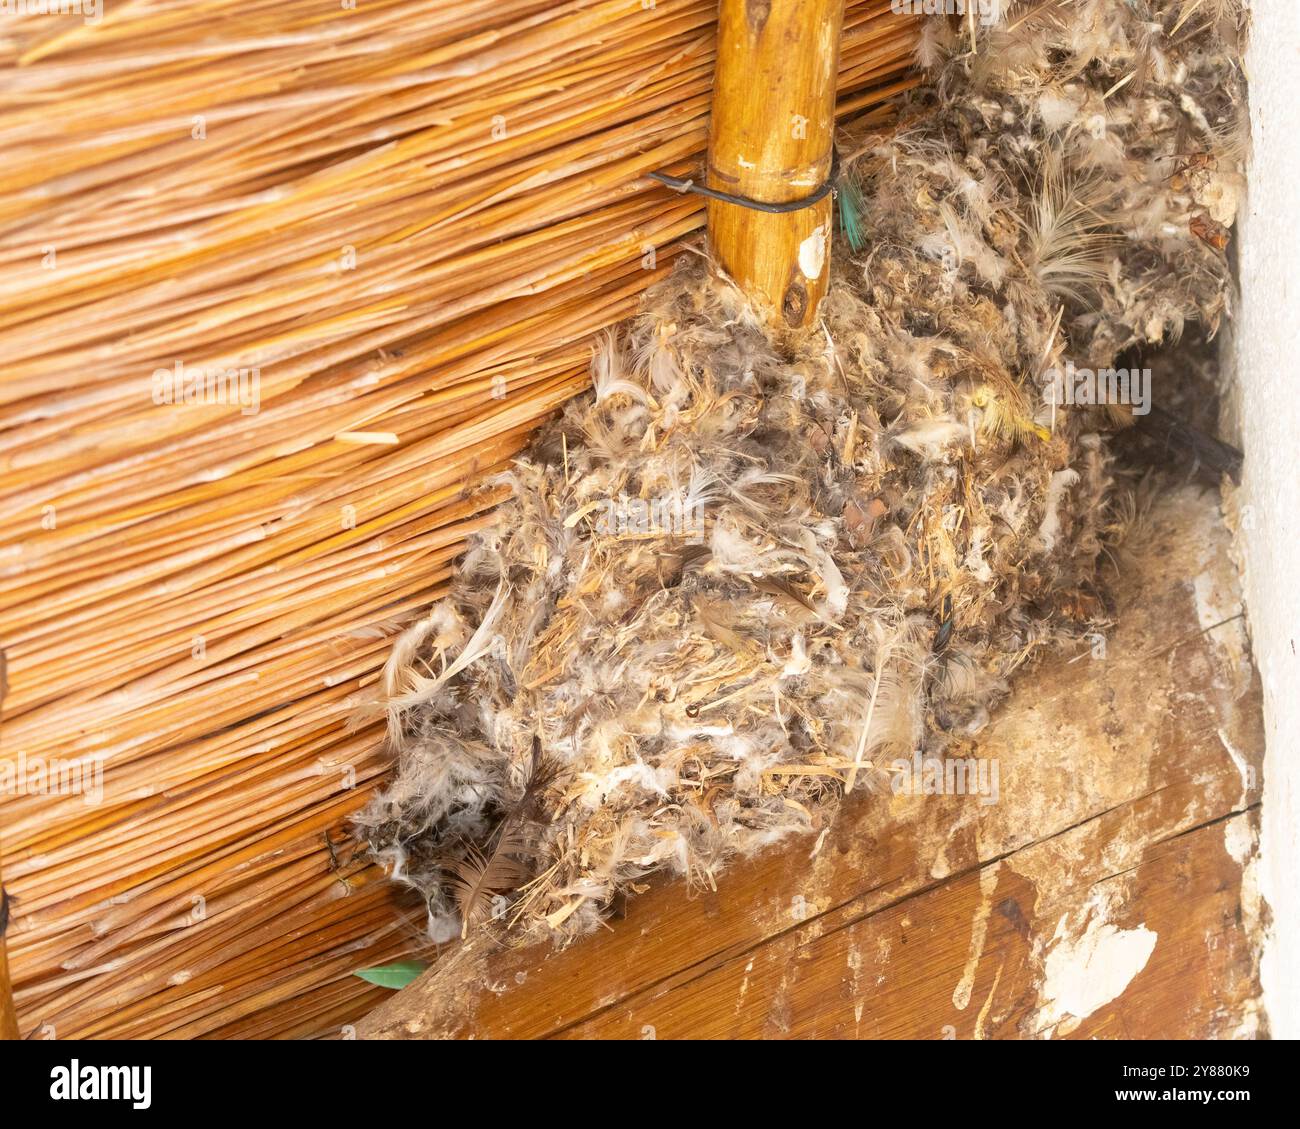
x,y
771,139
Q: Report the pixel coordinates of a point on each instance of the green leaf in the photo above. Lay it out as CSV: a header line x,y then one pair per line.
x,y
397,975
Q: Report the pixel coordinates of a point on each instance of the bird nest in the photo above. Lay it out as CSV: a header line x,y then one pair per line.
x,y
745,577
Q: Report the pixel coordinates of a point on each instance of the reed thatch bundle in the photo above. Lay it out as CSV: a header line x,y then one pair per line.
x,y
385,234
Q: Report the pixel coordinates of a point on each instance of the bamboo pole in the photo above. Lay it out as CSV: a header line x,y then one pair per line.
x,y
771,140
8,1018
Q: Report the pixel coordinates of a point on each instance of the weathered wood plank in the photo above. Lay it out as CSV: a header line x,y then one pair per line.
x,y
986,955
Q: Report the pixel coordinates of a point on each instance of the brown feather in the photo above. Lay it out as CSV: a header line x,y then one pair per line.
x,y
477,879
775,586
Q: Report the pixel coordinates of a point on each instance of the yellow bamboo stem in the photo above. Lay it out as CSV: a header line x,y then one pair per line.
x,y
771,140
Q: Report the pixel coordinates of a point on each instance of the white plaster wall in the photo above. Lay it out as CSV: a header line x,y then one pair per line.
x,y
1266,344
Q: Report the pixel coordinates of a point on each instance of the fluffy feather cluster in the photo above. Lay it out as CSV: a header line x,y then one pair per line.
x,y
742,578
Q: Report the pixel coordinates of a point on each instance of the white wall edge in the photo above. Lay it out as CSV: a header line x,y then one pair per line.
x,y
1265,356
